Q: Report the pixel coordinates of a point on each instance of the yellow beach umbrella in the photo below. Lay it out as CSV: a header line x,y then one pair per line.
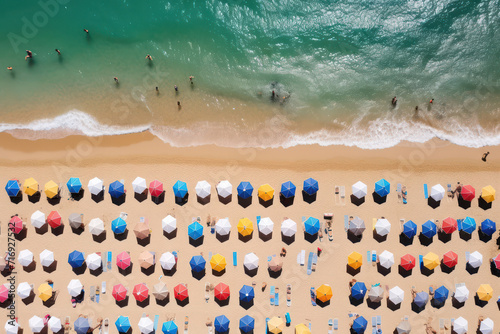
x,y
245,227
30,186
266,192
218,262
485,292
275,325
51,189
45,292
324,293
302,329
431,261
355,260
488,194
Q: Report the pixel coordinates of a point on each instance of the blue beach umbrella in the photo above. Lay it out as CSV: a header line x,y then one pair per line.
x,y
81,325
441,294
409,229
421,298
74,185
12,188
221,324
311,225
247,294
429,229
359,325
245,190
358,290
169,327
382,188
488,227
116,189
197,263
468,225
118,225
288,189
195,230
247,324
311,186
122,324
180,189
76,259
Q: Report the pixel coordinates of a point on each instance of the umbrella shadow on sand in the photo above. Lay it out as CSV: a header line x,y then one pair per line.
x,y
357,201
403,272
378,237
54,200
443,236
122,303
424,241
225,200
404,240
99,197
266,204
204,200
119,200
353,272
483,204
196,242
463,203
99,238
121,236
142,196
79,195
170,235
182,200
287,240
16,199
80,270
198,274
51,268
245,202
309,199
379,199
433,203
35,198
286,201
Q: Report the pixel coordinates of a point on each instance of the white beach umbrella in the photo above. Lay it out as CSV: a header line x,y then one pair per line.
x,y
475,259
36,324
223,226
461,294
146,325
486,326
386,259
169,224
382,227
24,290
460,326
203,189
46,258
224,188
437,192
266,226
93,261
359,189
38,219
75,287
96,226
54,324
95,186
357,226
11,327
396,295
25,258
167,261
251,261
139,185
376,294
288,228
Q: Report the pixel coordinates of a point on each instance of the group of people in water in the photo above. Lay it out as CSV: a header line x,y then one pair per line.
x,y
394,104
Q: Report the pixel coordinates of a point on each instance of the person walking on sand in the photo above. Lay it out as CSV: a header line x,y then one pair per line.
x,y
485,155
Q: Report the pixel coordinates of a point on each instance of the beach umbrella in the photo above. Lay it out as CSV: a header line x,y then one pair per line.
x,y
488,194
468,193
359,189
218,262
266,226
354,260
359,325
245,227
81,325
93,261
225,189
302,329
181,292
275,325
30,186
461,294
475,259
266,192
168,261
496,261
460,326
45,292
95,186
169,224
54,324
146,260
408,262
358,290
244,190
74,185
485,292
223,226
396,295
275,264
75,220
288,228
16,225
36,324
96,226
486,326
75,287
221,324
251,261
11,327
404,327
311,186
441,294
449,225
324,293
197,263
180,189
357,226
409,229
116,189
122,324
169,327
382,188
382,227
146,325
386,259
123,260
311,226
139,185
118,225
51,189
376,294
421,298
25,258
488,227
221,292
288,189
13,188
46,258
54,219
203,189
140,292
431,261
450,259
247,324
468,225
429,229
24,290
142,230
247,294
160,291
195,230
3,263
4,293
437,192
119,292
38,219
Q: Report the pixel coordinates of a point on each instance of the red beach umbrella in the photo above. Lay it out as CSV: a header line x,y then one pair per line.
x,y
16,225
54,219
468,193
408,262
181,292
450,259
123,260
155,188
119,292
141,292
497,261
449,225
221,291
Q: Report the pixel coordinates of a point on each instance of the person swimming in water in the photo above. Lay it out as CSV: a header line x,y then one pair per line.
x,y
191,80
394,102
431,101
58,52
176,88
29,55
86,30
148,57
9,68
116,79
157,90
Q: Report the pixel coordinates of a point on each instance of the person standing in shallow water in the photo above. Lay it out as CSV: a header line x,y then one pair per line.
x,y
394,102
485,155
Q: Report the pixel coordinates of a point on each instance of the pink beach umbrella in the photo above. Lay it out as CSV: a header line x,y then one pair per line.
x,y
4,293
16,225
119,292
155,188
123,260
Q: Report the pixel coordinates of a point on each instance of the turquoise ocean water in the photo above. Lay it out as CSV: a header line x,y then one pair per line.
x,y
339,63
